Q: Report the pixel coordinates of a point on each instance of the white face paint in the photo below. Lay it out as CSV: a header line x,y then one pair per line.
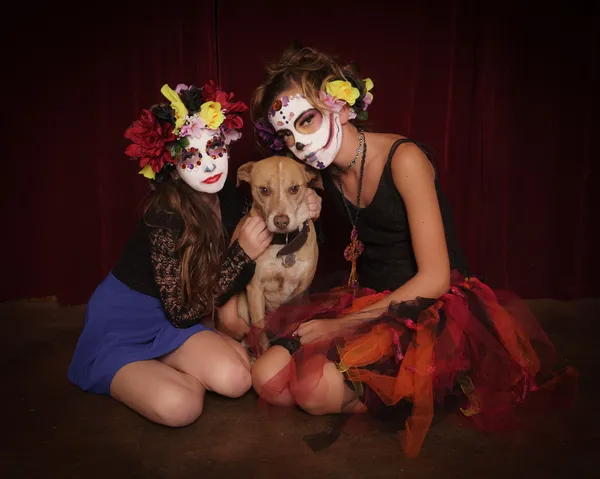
x,y
312,137
205,162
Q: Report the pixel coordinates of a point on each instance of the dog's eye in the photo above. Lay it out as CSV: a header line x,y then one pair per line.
x,y
294,189
264,190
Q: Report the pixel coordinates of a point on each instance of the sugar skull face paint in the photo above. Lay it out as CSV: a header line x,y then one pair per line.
x,y
205,162
313,137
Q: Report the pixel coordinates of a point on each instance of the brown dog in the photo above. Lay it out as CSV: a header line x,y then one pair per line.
x,y
287,267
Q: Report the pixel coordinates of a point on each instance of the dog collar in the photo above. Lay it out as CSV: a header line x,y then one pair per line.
x,y
293,241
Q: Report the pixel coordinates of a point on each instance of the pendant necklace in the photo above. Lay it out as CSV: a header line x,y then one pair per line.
x,y
356,247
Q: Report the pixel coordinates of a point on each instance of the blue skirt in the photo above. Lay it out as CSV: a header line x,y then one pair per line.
x,y
121,326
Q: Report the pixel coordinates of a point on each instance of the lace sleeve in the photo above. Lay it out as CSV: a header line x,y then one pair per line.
x,y
236,271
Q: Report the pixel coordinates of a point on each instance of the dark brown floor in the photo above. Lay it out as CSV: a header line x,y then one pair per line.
x,y
52,429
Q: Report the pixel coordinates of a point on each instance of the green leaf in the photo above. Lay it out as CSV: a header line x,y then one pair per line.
x,y
172,149
363,115
184,142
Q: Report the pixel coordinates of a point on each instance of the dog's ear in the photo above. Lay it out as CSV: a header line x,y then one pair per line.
x,y
244,172
313,177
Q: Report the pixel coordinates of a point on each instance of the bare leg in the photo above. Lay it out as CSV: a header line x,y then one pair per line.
x,y
329,396
274,391
238,348
214,362
229,322
159,393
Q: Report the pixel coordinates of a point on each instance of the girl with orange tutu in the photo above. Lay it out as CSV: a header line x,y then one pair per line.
x,y
411,330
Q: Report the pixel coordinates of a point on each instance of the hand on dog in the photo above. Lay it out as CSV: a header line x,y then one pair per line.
x,y
255,237
313,203
318,330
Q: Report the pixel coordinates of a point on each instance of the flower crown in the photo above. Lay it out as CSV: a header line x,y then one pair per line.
x,y
163,131
337,94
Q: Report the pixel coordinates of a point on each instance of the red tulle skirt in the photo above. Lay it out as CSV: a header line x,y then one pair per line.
x,y
481,348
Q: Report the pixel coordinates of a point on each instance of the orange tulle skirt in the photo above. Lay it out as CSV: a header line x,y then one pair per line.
x,y
481,347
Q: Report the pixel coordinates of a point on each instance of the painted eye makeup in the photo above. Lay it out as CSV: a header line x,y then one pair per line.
x,y
309,120
190,159
215,147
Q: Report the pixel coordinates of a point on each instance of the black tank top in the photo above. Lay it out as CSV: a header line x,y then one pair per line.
x,y
388,259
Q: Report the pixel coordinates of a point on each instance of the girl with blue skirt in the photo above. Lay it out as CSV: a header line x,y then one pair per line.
x,y
144,342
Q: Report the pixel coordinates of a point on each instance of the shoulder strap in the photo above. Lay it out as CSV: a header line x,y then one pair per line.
x,y
429,152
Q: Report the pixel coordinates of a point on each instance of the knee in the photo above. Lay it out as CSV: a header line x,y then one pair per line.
x,y
178,406
234,379
261,373
270,370
272,386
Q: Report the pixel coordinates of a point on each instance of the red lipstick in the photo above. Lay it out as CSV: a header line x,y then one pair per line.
x,y
213,179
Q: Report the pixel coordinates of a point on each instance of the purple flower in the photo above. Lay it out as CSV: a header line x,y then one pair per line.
x,y
267,134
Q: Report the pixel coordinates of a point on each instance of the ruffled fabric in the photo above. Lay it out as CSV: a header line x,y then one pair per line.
x,y
483,349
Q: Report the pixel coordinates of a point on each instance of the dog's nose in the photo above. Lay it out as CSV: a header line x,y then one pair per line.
x,y
300,146
281,221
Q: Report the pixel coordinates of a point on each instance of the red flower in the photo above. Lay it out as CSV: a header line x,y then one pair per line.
x,y
209,90
233,120
149,141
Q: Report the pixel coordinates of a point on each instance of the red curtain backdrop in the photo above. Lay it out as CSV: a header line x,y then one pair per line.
x,y
507,95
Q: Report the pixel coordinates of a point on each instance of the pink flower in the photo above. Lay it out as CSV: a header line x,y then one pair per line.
x,y
333,105
230,135
193,127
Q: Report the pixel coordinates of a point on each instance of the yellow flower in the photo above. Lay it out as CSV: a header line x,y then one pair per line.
x,y
343,90
177,105
211,113
148,172
368,85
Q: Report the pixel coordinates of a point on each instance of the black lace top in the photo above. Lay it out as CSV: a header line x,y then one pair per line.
x,y
149,264
388,259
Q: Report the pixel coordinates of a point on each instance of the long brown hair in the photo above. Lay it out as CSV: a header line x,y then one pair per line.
x,y
306,68
202,244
